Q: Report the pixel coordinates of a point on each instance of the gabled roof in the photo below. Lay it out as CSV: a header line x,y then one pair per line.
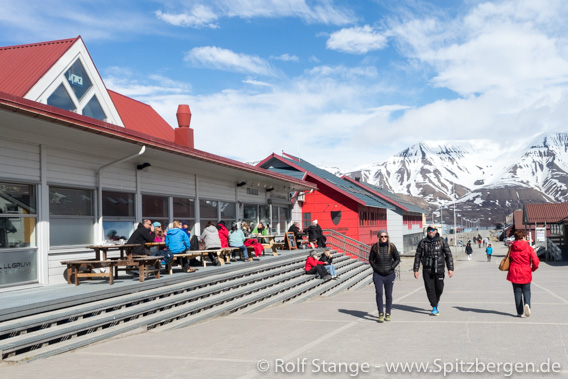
x,y
545,213
23,65
141,117
325,177
386,195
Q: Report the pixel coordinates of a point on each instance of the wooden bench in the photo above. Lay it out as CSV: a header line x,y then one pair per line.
x,y
224,255
84,268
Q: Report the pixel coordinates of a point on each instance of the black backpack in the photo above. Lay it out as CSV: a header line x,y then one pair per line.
x,y
194,243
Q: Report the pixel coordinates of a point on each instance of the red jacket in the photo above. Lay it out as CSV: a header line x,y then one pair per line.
x,y
312,262
523,262
223,235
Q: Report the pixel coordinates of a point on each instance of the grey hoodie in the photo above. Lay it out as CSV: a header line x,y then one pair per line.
x,y
210,237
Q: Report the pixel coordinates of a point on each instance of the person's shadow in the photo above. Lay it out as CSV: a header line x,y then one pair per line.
x,y
477,310
409,308
359,314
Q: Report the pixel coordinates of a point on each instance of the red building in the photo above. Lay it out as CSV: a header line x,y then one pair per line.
x,y
357,210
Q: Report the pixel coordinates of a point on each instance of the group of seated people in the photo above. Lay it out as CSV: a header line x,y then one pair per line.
x,y
214,237
314,232
322,267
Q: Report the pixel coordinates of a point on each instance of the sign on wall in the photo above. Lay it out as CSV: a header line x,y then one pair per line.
x,y
18,267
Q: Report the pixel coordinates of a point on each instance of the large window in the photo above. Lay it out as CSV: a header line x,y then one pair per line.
x,y
18,215
71,216
118,214
250,214
279,219
208,211
228,212
184,210
155,208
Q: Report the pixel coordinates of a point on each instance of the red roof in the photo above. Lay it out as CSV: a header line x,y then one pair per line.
x,y
546,213
141,117
23,65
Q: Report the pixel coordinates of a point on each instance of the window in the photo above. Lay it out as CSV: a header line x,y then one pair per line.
x,y
228,212
208,211
279,219
155,208
264,215
306,220
184,210
250,215
93,109
18,216
61,99
71,216
118,215
78,79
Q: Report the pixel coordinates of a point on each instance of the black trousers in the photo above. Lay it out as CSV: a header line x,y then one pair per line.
x,y
386,282
319,269
434,284
522,292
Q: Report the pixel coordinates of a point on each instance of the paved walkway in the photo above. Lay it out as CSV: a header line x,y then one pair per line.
x,y
476,332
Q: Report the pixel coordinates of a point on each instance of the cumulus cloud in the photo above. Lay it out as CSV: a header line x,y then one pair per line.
x,y
200,16
286,58
227,60
356,40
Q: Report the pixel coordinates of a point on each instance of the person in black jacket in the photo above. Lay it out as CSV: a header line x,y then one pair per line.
x,y
144,233
434,253
294,228
384,258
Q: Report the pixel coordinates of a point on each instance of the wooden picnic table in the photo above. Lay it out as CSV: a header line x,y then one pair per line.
x,y
267,241
110,266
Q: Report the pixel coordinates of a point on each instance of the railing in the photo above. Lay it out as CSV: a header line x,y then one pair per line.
x,y
553,251
347,244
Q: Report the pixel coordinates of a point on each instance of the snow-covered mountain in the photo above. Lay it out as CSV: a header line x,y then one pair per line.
x,y
485,180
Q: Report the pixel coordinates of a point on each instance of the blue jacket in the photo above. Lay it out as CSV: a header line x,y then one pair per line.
x,y
177,241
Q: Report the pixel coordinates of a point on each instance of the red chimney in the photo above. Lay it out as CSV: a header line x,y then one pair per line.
x,y
184,134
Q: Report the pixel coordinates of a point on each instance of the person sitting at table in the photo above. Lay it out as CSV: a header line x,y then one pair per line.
x,y
160,236
260,229
237,239
144,233
327,259
185,228
210,236
223,233
177,242
313,266
245,228
294,228
313,234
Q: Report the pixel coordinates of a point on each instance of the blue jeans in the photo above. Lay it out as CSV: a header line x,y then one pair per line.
x,y
166,254
330,269
243,249
522,291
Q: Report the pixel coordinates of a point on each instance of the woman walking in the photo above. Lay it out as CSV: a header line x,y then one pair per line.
x,y
523,262
468,251
384,258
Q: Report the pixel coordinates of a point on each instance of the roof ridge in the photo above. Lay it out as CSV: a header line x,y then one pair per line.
x,y
36,44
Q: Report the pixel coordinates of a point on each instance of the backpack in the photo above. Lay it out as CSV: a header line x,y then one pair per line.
x,y
194,243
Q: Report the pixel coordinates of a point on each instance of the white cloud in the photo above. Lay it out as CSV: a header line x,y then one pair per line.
x,y
227,60
286,58
257,83
356,40
200,16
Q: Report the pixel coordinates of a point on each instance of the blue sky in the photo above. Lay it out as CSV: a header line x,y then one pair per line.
x,y
339,83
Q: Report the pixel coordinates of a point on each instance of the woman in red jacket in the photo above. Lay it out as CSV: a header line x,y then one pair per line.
x,y
314,266
523,262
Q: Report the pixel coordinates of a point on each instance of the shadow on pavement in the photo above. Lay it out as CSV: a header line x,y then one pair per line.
x,y
359,314
409,308
477,310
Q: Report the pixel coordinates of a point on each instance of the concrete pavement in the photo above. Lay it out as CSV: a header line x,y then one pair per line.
x,y
338,336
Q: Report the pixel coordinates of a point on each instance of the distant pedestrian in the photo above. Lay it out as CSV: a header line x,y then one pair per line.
x,y
489,251
468,251
384,258
523,262
433,253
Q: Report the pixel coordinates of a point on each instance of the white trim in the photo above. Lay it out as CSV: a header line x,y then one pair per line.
x,y
45,86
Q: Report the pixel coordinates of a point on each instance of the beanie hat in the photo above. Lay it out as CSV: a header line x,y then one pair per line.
x,y
382,231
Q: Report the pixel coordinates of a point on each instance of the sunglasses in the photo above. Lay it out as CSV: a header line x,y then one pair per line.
x,y
383,236
432,230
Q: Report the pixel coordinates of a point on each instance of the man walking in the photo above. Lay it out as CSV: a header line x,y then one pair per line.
x,y
433,252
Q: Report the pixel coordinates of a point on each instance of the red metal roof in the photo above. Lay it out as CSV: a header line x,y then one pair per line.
x,y
23,65
141,117
546,213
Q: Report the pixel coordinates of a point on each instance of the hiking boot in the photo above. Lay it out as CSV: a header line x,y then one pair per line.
x,y
387,317
527,310
381,318
435,311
